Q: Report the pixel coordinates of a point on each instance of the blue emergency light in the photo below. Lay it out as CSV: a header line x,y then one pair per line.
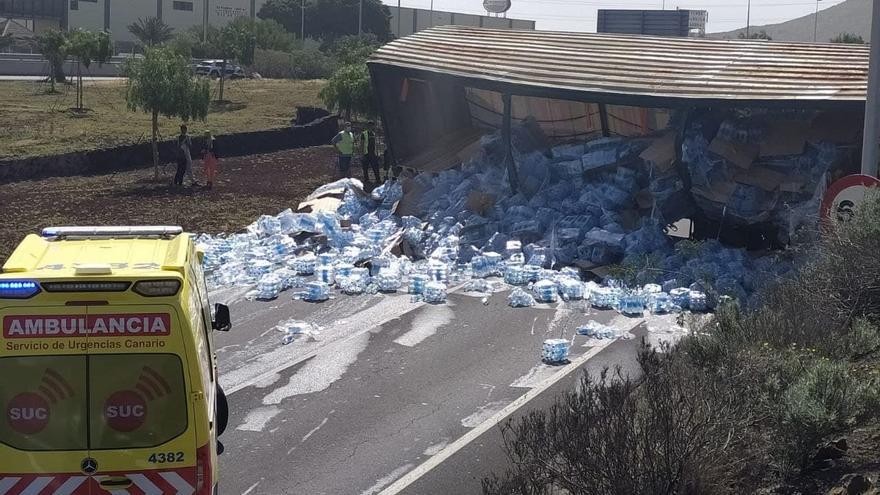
x,y
18,289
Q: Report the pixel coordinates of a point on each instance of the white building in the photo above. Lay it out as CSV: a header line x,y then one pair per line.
x,y
406,21
116,15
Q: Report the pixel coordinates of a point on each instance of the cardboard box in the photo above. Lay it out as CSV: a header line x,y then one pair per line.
x,y
766,179
784,137
740,154
661,152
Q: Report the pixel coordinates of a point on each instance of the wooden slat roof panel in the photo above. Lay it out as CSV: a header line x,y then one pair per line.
x,y
679,68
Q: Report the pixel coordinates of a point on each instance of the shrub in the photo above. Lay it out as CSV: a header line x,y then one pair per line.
x,y
303,63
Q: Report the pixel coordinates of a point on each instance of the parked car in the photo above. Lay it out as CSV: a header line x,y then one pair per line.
x,y
212,68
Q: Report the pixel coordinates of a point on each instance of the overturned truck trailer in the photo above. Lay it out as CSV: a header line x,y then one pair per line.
x,y
741,137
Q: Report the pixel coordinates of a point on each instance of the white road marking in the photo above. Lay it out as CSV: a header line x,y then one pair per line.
x,y
180,484
426,324
535,376
434,449
485,412
383,482
257,419
434,461
250,489
328,366
313,430
259,368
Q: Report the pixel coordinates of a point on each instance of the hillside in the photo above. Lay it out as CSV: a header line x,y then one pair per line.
x,y
851,16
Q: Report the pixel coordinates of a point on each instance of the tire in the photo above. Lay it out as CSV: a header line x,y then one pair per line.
x,y
222,416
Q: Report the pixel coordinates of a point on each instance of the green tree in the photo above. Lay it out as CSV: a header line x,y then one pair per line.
x,y
87,47
236,42
151,31
850,38
348,91
760,35
161,83
330,19
53,45
352,49
267,33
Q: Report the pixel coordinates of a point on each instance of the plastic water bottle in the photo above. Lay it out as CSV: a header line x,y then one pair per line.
x,y
659,303
531,272
417,283
325,274
388,280
515,275
680,297
555,351
305,265
316,291
343,269
493,260
632,304
545,291
520,299
604,298
326,259
435,292
571,289
697,300
438,271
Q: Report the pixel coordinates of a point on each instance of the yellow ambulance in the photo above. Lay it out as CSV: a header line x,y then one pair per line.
x,y
107,365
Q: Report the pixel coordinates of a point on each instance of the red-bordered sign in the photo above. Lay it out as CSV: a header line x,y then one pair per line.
x,y
842,196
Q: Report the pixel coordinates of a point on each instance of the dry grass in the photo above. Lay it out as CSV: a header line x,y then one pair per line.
x,y
248,186
33,123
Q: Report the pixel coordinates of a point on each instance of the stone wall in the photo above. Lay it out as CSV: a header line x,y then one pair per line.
x,y
315,133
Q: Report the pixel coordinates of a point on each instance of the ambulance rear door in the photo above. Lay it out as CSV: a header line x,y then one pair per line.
x,y
142,426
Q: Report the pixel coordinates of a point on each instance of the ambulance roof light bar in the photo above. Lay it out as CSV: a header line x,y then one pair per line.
x,y
111,232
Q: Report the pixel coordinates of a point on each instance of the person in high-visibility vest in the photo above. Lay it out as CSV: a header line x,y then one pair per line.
x,y
344,143
369,148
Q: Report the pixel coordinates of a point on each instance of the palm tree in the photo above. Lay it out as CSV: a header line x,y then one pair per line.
x,y
151,32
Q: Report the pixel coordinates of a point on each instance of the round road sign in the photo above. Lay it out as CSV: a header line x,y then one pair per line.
x,y
496,6
125,410
840,199
28,413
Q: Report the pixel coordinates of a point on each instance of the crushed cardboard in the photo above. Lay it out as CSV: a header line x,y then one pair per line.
x,y
480,203
661,152
740,154
765,178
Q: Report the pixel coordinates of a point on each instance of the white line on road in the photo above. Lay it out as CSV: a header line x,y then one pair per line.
x,y
313,430
475,433
261,375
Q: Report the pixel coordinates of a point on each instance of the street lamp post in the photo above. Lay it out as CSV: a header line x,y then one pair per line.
x,y
399,13
360,17
872,100
748,17
432,14
816,21
302,21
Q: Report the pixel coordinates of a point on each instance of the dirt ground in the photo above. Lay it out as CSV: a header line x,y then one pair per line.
x,y
247,187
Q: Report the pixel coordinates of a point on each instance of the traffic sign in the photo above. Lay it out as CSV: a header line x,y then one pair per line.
x,y
842,197
496,6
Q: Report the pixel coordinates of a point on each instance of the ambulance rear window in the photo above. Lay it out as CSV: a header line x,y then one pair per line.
x,y
97,402
137,400
44,402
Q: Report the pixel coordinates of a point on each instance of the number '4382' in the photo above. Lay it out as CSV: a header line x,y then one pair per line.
x,y
163,457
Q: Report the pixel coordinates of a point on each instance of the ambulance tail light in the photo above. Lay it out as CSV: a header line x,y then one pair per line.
x,y
157,288
204,483
86,286
18,289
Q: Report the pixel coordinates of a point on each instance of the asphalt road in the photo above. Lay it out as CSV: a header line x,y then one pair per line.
x,y
389,385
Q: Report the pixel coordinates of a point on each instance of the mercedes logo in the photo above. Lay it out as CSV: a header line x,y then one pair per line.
x,y
89,466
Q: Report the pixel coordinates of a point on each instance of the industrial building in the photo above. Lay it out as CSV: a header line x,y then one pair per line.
x,y
653,22
116,15
406,21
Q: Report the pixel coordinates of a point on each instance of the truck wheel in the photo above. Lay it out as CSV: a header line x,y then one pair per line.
x,y
222,417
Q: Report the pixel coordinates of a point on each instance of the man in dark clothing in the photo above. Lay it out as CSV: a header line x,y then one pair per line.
x,y
370,158
184,157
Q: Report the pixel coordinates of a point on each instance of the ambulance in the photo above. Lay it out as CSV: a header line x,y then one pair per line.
x,y
108,375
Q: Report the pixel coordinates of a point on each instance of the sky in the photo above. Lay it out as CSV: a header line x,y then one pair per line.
x,y
580,15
